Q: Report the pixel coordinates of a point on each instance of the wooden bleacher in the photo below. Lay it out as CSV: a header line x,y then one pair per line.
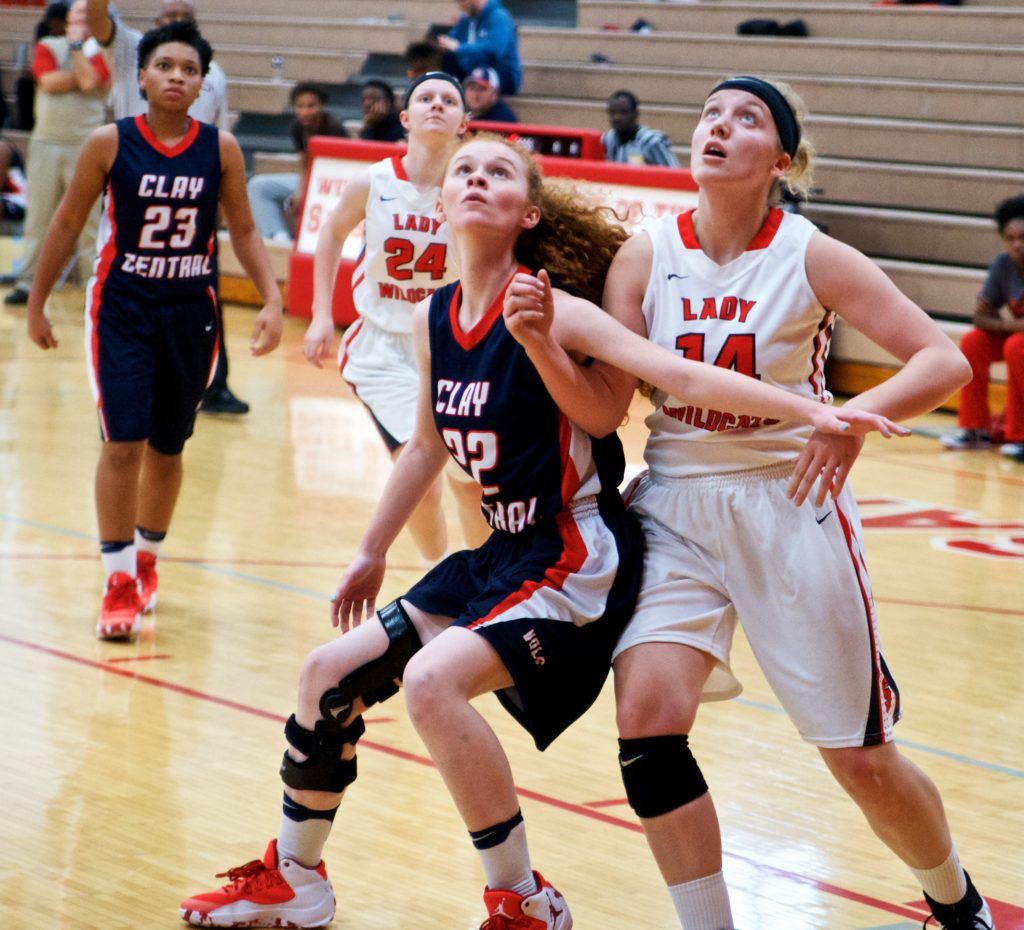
x,y
917,113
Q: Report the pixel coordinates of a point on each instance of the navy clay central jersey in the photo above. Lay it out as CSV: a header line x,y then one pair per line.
x,y
500,424
159,226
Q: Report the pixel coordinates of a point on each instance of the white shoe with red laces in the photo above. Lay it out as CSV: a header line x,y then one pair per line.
x,y
145,574
545,909
121,608
271,893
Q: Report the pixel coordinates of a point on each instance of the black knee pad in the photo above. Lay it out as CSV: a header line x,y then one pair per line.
x,y
376,680
660,774
323,769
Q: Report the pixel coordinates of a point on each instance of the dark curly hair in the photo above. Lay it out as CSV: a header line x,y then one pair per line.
x,y
1010,209
186,32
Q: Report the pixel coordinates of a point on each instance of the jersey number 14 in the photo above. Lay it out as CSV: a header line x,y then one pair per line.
x,y
739,352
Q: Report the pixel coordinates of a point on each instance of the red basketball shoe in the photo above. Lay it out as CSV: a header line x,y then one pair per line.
x,y
145,573
544,910
271,893
120,610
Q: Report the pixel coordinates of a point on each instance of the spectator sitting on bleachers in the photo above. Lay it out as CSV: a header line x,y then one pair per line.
x,y
997,338
421,57
73,82
276,198
380,113
13,186
629,142
483,97
484,37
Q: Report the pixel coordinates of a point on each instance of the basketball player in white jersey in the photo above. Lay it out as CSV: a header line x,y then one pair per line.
x,y
405,258
740,284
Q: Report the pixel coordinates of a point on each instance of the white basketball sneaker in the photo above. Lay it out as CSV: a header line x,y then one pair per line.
x,y
545,909
267,893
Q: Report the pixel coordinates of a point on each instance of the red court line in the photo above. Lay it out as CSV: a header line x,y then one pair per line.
x,y
568,806
973,608
615,803
957,472
159,655
939,605
194,560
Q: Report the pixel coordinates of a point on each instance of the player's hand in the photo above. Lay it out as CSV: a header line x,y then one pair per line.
x,y
529,308
829,457
316,344
266,334
448,43
356,597
845,421
40,329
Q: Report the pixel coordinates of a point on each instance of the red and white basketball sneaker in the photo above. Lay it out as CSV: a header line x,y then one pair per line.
x,y
145,574
271,893
121,608
544,910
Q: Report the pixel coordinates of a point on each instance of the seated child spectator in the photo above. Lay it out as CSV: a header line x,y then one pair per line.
x,y
483,97
997,337
380,114
13,187
276,198
629,142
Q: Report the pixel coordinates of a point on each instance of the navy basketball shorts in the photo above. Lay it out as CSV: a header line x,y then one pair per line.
x,y
552,602
149,363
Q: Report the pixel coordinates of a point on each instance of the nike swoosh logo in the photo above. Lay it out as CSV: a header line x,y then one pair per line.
x,y
209,327
384,199
678,277
624,762
824,518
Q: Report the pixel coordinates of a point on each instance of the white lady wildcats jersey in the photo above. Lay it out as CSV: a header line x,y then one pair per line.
x,y
405,255
757,315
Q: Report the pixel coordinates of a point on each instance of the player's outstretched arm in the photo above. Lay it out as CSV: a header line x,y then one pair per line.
x,y
248,246
595,396
90,177
591,332
347,214
414,472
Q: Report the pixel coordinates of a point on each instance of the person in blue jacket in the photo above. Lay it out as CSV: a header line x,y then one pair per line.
x,y
484,37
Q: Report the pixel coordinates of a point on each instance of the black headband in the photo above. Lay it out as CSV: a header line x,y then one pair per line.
x,y
778,106
433,76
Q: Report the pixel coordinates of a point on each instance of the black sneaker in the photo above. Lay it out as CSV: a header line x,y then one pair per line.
x,y
969,913
967,439
221,400
18,297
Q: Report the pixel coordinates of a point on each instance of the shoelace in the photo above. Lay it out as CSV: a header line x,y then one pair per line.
x,y
122,595
253,876
501,922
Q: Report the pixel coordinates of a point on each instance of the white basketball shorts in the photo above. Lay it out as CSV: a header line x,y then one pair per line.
x,y
722,547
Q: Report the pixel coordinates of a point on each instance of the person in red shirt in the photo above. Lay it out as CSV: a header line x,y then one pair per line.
x,y
997,336
72,81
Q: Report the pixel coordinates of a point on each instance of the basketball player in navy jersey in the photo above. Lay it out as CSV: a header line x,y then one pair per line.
x,y
151,328
532,614
740,283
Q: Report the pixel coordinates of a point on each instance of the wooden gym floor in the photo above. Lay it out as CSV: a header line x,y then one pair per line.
x,y
132,773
